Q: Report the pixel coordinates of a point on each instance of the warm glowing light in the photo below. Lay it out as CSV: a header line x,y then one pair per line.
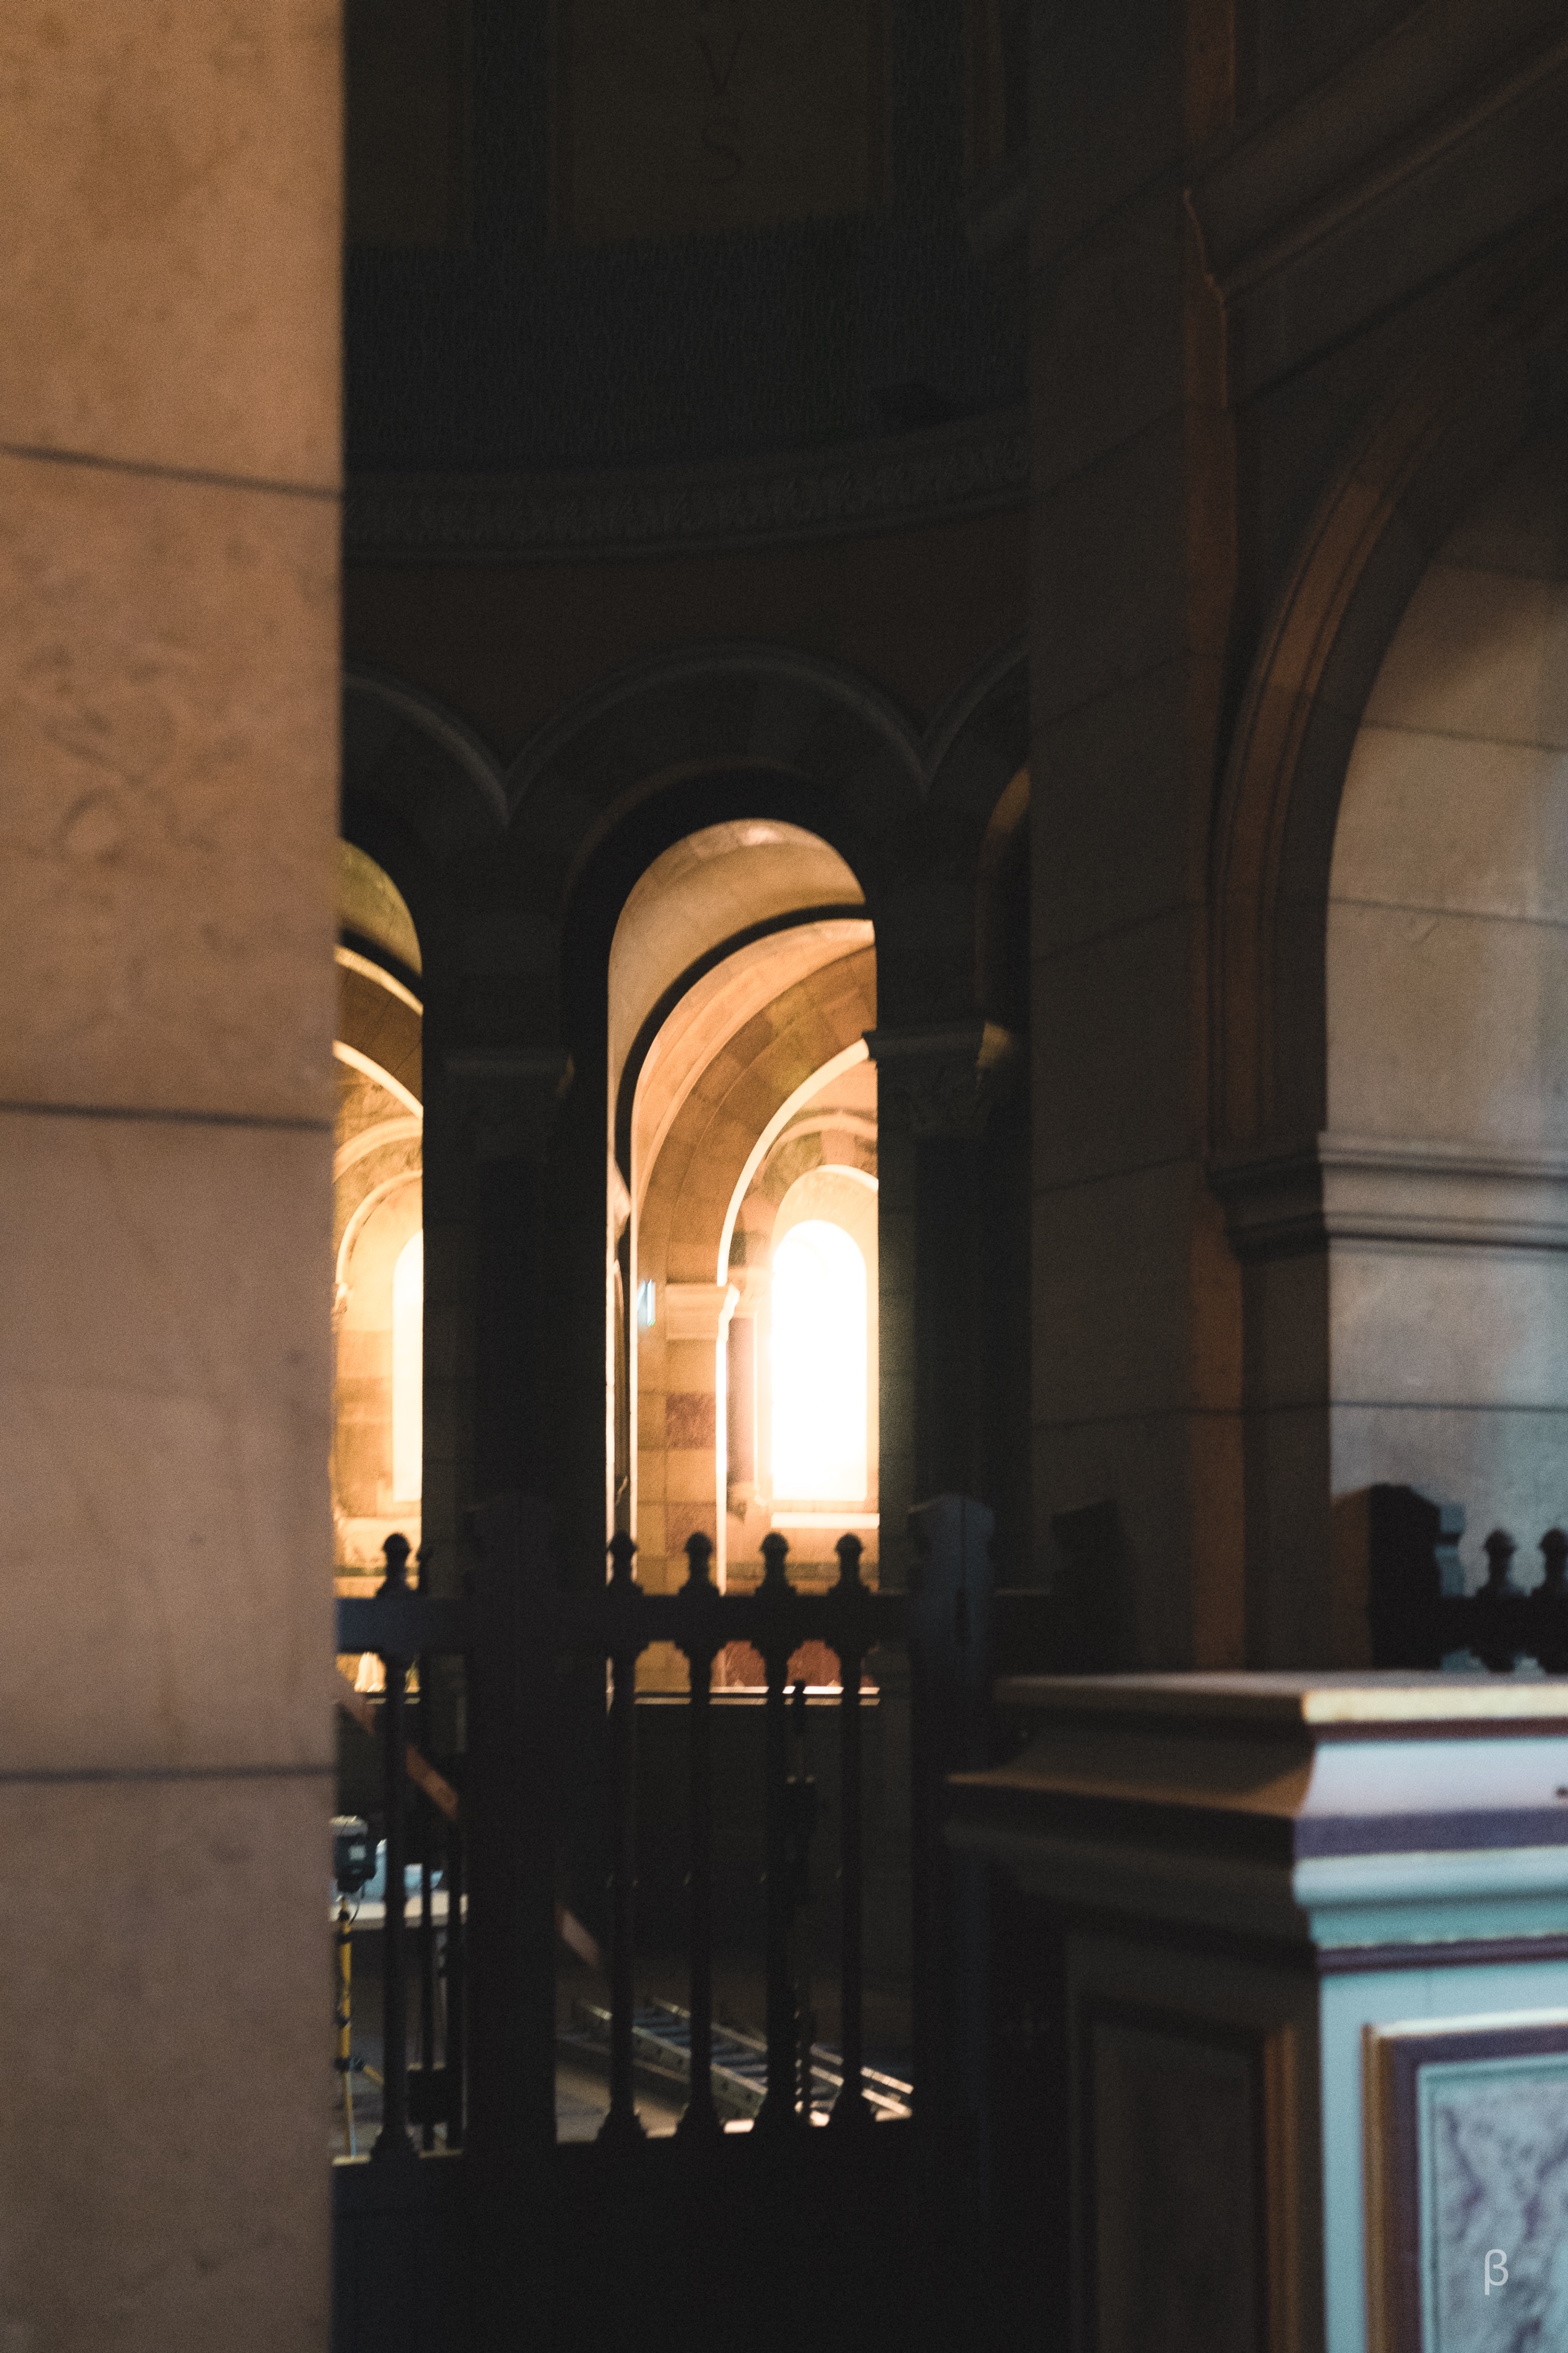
x,y
408,1371
819,1365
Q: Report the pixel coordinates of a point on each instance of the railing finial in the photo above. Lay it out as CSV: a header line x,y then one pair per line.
x,y
1499,1548
849,1549
775,1552
699,1562
396,1552
623,1552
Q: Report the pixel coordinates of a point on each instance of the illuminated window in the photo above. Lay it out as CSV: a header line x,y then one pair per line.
x,y
819,1365
408,1371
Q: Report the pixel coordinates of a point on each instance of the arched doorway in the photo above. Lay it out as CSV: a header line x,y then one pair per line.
x,y
1445,1151
378,1221
1392,1101
742,983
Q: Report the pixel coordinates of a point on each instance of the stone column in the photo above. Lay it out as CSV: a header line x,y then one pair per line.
x,y
1137,1296
488,1122
169,452
929,1116
697,1325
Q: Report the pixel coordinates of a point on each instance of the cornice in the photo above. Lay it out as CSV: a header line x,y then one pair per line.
x,y
1443,134
1414,1191
970,468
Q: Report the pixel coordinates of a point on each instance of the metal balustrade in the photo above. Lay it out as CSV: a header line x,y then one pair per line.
x,y
618,1624
446,2244
409,1629
1420,1609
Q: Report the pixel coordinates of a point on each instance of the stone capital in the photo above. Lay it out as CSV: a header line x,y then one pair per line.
x,y
928,1080
698,1311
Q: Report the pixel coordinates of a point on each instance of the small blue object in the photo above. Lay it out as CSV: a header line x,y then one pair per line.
x,y
647,1304
374,1889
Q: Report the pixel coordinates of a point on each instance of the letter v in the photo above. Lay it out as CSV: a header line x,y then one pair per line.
x,y
720,79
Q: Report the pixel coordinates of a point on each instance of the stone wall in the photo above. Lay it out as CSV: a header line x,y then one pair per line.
x,y
169,439
1296,301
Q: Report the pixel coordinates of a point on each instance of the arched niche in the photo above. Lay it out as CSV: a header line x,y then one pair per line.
x,y
1444,1158
1421,464
1385,1109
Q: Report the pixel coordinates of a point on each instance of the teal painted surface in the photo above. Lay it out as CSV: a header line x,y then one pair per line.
x,y
1393,1899
1384,1998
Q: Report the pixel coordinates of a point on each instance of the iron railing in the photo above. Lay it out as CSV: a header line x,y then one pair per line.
x,y
496,2209
1422,1613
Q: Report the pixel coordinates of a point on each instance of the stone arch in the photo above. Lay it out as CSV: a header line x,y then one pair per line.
x,y
1001,912
720,706
1418,467
974,747
421,794
687,1213
788,1054
625,768
1378,1220
979,738
406,752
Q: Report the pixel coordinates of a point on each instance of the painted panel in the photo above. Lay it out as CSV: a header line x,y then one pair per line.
x,y
1175,2164
1468,2184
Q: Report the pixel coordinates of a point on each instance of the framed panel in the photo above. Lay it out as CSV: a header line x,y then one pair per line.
x,y
1187,2182
1467,2183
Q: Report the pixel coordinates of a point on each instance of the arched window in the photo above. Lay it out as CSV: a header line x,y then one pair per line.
x,y
408,1371
819,1365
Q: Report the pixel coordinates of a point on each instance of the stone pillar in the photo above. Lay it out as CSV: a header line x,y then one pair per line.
x,y
1291,1954
169,521
487,1125
929,1115
1137,1297
697,1325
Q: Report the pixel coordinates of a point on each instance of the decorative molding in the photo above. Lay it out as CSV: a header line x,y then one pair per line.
x,y
1200,2248
928,1081
894,483
509,1096
1428,143
698,1311
1399,1189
